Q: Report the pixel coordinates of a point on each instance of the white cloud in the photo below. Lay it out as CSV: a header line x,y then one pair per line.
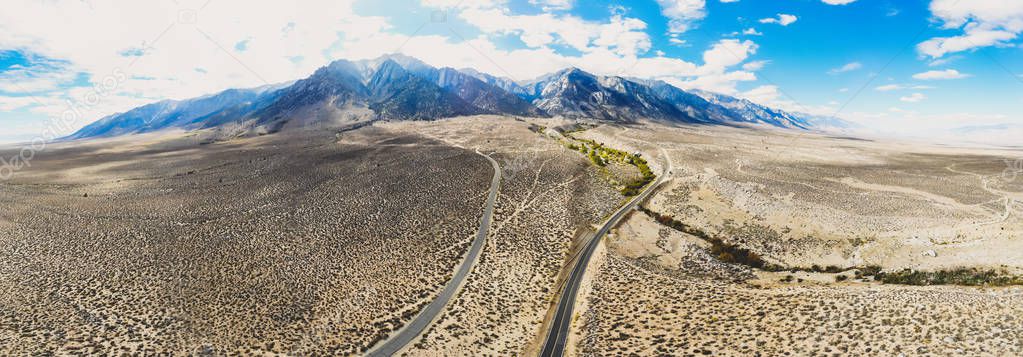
x,y
553,5
762,94
682,13
28,81
755,65
975,36
721,82
943,61
848,67
838,2
956,13
913,98
464,4
163,48
752,32
895,87
782,19
984,22
625,35
714,74
15,103
727,53
936,75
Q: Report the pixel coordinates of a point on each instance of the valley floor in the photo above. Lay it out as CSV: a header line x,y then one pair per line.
x,y
675,299
293,243
313,242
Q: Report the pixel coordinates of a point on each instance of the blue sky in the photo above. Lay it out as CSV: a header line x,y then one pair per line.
x,y
898,67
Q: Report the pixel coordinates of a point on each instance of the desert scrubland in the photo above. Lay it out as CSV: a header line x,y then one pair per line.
x,y
820,211
549,196
291,243
325,242
805,199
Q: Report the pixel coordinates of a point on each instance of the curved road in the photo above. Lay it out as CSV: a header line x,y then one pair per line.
x,y
554,344
413,329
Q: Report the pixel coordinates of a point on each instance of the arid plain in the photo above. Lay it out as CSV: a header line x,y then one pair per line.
x,y
822,215
292,243
326,241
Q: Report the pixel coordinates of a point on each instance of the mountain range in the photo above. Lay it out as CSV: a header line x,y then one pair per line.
x,y
399,87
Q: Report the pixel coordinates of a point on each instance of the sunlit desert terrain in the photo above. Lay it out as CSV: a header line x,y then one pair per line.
x,y
327,241
829,208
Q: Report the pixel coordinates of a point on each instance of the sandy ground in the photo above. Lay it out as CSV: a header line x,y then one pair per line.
x,y
548,194
813,199
800,200
293,243
659,294
318,242
637,309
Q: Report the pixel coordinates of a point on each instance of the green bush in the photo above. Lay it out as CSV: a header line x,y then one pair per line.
x,y
724,251
960,276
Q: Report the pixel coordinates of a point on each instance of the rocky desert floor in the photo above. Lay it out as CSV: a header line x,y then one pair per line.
x,y
640,308
801,201
549,196
295,243
324,242
810,199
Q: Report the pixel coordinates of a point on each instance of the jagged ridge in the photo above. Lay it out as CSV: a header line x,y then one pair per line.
x,y
403,88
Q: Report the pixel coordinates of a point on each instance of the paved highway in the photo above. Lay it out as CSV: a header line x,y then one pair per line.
x,y
418,325
554,344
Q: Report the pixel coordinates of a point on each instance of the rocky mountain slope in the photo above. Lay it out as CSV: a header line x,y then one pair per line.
x,y
399,87
187,114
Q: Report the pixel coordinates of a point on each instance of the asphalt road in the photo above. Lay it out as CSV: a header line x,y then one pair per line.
x,y
554,344
418,325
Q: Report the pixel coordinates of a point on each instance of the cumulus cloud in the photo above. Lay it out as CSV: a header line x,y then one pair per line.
x,y
762,94
937,75
984,23
467,4
682,14
838,2
727,53
848,67
624,35
715,74
553,5
895,87
8,103
755,65
975,36
913,98
782,19
173,49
